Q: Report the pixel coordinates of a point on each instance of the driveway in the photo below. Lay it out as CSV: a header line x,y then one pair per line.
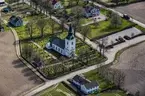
x,y
137,11
15,77
132,63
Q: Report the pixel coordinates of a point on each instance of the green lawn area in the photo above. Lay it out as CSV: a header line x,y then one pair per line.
x,y
93,75
57,90
103,28
103,84
113,93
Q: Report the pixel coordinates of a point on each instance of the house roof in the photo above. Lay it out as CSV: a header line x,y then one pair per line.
x,y
91,85
89,8
15,19
58,42
2,1
80,80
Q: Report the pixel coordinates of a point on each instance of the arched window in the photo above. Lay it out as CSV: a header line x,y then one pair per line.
x,y
72,43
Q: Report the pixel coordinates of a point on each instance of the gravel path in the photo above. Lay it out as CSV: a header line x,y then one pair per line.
x,y
137,11
15,77
132,63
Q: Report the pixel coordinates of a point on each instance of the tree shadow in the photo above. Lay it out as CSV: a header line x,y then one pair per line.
x,y
26,71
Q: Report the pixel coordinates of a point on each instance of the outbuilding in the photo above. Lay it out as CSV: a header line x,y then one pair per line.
x,y
15,21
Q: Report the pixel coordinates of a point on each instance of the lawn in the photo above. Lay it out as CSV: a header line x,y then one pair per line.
x,y
113,93
103,28
57,90
93,75
103,84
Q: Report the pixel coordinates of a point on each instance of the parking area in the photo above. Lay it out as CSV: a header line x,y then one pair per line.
x,y
137,11
120,36
15,77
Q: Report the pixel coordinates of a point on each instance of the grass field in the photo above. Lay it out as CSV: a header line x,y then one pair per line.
x,y
57,90
103,28
93,75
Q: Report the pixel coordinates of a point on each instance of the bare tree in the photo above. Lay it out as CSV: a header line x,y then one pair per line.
x,y
29,28
120,77
52,26
85,31
102,43
41,23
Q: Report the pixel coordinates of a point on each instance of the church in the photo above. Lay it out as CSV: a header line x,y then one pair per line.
x,y
65,46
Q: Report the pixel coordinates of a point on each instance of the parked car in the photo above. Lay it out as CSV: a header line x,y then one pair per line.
x,y
125,16
127,37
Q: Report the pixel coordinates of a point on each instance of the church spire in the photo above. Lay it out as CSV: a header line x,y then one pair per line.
x,y
70,35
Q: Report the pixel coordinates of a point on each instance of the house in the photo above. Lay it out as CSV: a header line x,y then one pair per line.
x,y
90,11
84,85
7,9
15,21
2,2
65,46
56,4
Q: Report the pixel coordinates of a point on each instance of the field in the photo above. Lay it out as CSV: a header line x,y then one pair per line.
x,y
131,62
137,11
57,90
103,28
15,77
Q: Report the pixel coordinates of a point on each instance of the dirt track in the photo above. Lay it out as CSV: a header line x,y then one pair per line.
x,y
132,63
137,11
15,77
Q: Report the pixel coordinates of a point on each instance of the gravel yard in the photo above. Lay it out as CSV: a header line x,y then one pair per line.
x,y
132,63
137,11
15,77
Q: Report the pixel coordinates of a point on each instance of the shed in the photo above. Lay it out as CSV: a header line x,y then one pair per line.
x,y
15,21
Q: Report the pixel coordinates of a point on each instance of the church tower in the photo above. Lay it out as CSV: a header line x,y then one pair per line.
x,y
70,42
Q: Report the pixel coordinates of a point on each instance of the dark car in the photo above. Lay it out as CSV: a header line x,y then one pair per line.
x,y
125,16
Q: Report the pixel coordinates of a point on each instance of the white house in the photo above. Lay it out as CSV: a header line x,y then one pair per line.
x,y
2,2
65,47
84,85
56,4
90,11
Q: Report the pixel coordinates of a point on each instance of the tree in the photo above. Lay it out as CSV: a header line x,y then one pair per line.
x,y
52,26
62,24
137,93
85,31
77,12
120,77
102,43
115,20
41,23
29,28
